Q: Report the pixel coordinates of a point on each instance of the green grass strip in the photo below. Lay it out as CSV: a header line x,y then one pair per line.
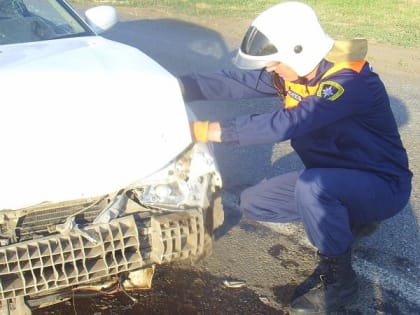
x,y
395,22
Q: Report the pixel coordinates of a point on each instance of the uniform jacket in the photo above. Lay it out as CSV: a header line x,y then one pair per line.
x,y
340,119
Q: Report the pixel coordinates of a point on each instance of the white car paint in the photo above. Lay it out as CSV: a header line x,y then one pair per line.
x,y
83,117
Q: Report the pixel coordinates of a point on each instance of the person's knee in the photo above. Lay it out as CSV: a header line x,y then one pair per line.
x,y
313,193
305,189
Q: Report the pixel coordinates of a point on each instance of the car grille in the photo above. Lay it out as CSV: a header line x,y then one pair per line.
x,y
39,218
124,244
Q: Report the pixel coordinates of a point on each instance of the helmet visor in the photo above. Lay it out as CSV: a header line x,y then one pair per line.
x,y
256,43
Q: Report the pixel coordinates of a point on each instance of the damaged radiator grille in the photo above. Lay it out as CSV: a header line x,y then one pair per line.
x,y
37,221
125,244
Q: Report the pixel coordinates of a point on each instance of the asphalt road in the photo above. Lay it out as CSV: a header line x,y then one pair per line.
x,y
272,258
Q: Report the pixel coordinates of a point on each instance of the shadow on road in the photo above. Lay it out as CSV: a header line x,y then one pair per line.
x,y
179,46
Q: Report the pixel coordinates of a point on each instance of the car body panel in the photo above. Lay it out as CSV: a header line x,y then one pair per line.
x,y
67,136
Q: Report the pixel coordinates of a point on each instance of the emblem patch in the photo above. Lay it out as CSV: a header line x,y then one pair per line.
x,y
330,90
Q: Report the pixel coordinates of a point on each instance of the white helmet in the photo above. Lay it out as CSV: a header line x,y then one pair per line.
x,y
288,32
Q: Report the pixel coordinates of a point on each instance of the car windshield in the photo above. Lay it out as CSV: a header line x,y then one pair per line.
x,y
36,20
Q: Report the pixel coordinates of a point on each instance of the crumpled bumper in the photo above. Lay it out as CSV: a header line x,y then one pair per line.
x,y
125,244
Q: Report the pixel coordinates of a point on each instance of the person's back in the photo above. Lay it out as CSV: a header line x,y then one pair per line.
x,y
362,134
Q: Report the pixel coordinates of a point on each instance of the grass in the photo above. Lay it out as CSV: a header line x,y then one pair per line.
x,y
395,22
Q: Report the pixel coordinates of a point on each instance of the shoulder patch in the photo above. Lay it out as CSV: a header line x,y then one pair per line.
x,y
330,90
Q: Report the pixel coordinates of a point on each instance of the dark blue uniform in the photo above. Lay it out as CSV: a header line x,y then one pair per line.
x,y
341,125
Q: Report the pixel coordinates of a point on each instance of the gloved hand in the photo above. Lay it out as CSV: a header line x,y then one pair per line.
x,y
200,131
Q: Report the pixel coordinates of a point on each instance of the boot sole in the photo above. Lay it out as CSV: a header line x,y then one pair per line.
x,y
339,310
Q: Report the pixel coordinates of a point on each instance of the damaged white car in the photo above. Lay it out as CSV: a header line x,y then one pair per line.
x,y
99,178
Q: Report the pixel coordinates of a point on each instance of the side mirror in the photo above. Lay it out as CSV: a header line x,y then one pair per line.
x,y
101,18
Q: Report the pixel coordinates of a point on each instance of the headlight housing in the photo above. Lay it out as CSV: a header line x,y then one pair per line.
x,y
182,184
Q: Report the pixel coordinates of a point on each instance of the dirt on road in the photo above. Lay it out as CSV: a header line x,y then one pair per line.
x,y
271,269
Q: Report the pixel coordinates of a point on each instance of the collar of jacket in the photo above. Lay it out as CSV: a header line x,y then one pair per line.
x,y
297,90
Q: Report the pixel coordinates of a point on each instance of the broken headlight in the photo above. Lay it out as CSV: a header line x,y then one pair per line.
x,y
182,184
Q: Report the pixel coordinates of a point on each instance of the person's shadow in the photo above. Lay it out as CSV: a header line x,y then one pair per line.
x,y
179,46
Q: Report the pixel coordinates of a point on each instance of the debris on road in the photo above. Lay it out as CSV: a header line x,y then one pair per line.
x,y
234,283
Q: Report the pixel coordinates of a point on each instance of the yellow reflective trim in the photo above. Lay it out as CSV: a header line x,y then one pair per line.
x,y
295,92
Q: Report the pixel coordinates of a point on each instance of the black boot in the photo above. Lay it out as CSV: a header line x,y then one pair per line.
x,y
338,287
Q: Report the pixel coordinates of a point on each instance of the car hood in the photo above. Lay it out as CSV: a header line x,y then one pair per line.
x,y
83,117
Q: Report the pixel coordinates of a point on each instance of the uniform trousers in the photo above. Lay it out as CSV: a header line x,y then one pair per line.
x,y
327,200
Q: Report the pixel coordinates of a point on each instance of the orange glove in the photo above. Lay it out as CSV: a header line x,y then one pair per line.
x,y
200,131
